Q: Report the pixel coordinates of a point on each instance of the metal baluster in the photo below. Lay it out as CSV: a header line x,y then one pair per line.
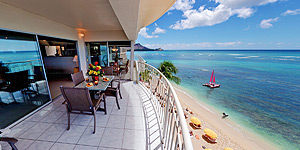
x,y
166,115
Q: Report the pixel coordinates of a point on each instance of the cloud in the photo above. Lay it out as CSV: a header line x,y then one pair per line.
x,y
175,46
229,44
243,12
201,45
159,31
183,5
266,23
197,18
143,33
291,12
169,13
244,3
221,13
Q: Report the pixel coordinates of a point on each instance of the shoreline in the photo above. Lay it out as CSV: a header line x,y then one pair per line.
x,y
230,134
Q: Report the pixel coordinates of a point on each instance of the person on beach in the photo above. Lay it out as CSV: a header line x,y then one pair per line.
x,y
224,115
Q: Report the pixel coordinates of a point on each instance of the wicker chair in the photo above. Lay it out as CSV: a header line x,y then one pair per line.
x,y
77,78
79,102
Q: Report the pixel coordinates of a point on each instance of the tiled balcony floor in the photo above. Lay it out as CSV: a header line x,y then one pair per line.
x,y
119,129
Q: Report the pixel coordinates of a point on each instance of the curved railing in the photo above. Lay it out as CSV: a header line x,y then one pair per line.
x,y
174,129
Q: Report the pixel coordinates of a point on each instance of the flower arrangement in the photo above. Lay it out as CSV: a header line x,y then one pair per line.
x,y
95,71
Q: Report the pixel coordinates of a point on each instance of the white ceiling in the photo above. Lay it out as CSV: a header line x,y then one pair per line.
x,y
95,16
92,15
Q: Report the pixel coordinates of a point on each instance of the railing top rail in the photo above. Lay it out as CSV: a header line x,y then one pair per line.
x,y
15,62
141,59
185,131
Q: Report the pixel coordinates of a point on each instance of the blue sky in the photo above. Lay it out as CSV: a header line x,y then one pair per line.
x,y
226,24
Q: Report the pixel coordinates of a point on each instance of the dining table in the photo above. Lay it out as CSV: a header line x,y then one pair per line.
x,y
100,87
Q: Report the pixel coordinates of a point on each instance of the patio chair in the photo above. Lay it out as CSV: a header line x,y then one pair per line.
x,y
109,71
77,78
124,68
10,141
18,81
79,102
111,91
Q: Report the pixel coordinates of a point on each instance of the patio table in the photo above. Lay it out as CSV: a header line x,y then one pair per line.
x,y
102,86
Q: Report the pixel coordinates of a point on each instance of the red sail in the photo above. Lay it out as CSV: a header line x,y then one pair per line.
x,y
212,74
214,79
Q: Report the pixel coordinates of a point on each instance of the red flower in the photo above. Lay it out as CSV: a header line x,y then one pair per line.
x,y
90,65
97,78
97,68
96,63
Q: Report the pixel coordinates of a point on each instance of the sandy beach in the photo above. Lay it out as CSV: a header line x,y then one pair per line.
x,y
230,134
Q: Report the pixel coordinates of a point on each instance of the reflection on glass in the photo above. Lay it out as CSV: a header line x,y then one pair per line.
x,y
23,87
98,52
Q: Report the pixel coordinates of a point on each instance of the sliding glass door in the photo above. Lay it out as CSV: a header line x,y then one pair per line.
x,y
97,51
23,87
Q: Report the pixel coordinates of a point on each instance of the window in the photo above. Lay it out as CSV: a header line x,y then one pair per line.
x,y
23,87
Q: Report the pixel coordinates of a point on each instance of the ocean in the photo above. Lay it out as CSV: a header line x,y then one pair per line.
x,y
21,57
260,90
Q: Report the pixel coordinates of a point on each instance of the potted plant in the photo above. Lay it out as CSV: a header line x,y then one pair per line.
x,y
95,71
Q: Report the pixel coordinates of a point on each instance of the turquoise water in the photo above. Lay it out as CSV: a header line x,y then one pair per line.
x,y
260,90
17,56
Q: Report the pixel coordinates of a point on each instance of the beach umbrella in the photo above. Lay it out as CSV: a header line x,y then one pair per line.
x,y
227,148
210,133
196,121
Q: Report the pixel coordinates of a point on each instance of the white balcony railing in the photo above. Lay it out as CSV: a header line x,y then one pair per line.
x,y
23,65
173,126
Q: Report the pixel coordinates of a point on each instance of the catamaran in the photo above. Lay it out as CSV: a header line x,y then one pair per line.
x,y
212,81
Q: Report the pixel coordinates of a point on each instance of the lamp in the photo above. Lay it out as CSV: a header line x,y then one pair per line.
x,y
114,49
75,59
81,35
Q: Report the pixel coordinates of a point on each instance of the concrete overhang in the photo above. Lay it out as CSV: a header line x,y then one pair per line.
x,y
97,19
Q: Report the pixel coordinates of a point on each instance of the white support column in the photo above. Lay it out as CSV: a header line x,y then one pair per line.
x,y
131,59
82,55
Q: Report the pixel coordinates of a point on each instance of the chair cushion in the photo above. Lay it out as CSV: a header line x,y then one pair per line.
x,y
6,97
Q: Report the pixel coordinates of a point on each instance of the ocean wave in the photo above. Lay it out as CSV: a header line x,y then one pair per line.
x,y
199,54
247,57
242,57
288,56
235,54
205,70
286,59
